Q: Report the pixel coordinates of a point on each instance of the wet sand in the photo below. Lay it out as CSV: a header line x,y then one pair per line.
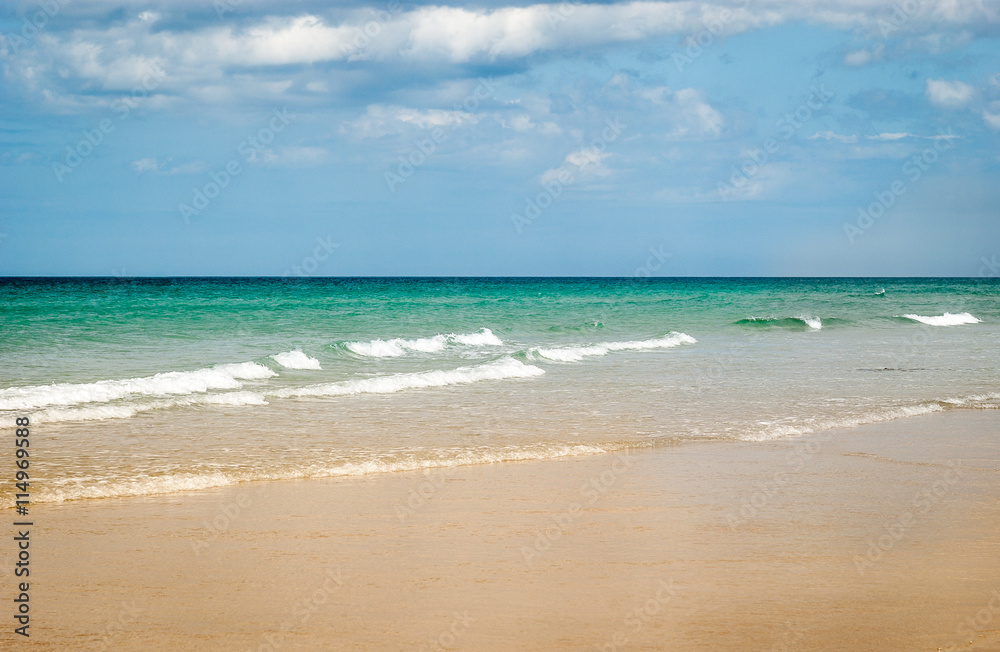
x,y
884,537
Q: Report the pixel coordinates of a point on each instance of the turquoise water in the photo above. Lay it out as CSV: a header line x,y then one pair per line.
x,y
150,386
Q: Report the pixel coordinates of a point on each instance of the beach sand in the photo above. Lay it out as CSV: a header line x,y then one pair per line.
x,y
883,537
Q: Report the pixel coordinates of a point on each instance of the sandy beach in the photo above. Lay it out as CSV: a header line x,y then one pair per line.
x,y
875,538
604,326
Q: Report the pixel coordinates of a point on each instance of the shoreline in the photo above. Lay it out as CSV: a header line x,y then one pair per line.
x,y
864,538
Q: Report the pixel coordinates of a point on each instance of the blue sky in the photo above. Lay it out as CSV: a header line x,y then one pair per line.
x,y
747,137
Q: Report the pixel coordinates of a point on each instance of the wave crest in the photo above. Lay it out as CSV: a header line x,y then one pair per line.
x,y
812,323
398,347
578,353
947,319
226,376
501,369
296,360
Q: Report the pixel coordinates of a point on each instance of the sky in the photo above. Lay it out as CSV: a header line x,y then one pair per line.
x,y
306,138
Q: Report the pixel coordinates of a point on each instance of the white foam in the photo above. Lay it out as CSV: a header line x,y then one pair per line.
x,y
498,370
296,360
505,368
94,413
227,376
145,485
577,353
879,416
976,401
140,486
128,410
398,347
570,353
814,323
947,319
463,458
484,337
227,398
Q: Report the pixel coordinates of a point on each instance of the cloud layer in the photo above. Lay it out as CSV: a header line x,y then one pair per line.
x,y
214,58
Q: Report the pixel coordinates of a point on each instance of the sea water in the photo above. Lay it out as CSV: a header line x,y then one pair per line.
x,y
147,386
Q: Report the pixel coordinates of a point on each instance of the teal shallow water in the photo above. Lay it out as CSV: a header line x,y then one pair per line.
x,y
147,386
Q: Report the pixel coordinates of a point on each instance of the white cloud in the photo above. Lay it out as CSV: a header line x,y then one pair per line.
x,y
857,57
195,167
519,122
949,94
380,120
764,182
992,116
206,62
863,57
425,34
294,156
706,119
581,165
458,34
522,123
891,136
831,135
883,150
586,156
145,165
549,129
164,168
868,152
686,110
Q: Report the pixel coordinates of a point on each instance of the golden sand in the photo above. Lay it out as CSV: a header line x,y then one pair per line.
x,y
884,537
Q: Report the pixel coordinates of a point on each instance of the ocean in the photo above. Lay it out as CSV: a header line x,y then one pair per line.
x,y
151,386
